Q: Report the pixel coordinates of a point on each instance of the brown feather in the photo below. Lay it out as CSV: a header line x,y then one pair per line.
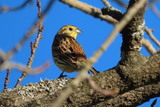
x,y
68,54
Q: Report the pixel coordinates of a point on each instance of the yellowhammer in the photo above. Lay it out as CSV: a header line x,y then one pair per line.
x,y
67,53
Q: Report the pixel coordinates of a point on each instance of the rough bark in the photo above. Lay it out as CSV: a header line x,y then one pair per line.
x,y
137,85
136,76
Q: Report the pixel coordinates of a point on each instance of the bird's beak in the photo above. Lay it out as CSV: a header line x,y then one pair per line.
x,y
78,31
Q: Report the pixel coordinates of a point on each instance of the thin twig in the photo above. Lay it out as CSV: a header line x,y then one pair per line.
x,y
13,65
6,9
149,32
148,46
152,2
6,79
33,45
82,75
28,34
155,10
105,2
2,58
121,3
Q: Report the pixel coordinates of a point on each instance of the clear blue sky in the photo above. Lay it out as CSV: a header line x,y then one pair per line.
x,y
13,25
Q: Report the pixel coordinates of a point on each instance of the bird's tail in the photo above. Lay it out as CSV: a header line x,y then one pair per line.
x,y
94,71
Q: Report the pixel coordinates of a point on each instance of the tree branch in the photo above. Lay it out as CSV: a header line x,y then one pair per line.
x,y
34,45
142,86
89,10
148,46
6,9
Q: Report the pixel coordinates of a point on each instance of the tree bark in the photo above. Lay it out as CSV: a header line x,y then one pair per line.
x,y
137,85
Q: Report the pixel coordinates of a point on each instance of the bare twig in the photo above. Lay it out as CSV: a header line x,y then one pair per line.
x,y
105,2
13,65
151,5
6,9
155,10
2,58
152,2
6,79
28,34
121,3
33,45
23,68
89,10
148,46
82,75
149,32
105,92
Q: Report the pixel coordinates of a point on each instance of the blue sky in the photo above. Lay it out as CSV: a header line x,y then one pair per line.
x,y
15,24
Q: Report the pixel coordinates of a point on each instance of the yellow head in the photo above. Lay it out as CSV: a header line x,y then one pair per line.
x,y
69,30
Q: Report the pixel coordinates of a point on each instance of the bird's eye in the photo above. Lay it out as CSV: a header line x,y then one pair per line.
x,y
70,29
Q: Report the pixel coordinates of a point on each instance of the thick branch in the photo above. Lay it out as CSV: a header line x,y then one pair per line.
x,y
133,79
134,97
133,32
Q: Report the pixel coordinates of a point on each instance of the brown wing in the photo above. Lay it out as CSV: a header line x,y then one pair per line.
x,y
68,50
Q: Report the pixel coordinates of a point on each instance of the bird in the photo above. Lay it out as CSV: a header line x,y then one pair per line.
x,y
67,53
